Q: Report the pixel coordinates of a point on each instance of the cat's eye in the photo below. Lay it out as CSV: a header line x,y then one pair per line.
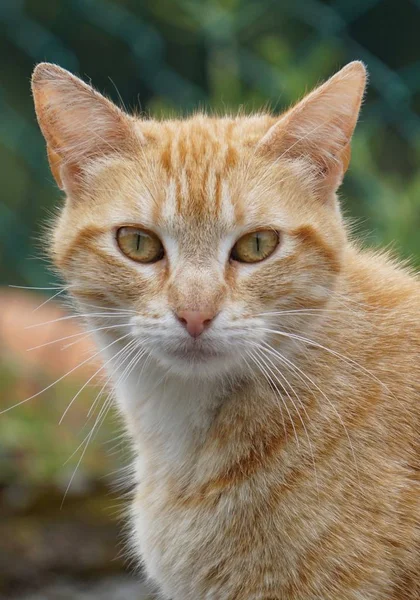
x,y
255,247
140,245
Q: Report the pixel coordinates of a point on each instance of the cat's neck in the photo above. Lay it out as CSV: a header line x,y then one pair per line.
x,y
167,414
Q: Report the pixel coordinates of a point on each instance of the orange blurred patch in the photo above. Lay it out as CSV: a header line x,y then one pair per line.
x,y
25,324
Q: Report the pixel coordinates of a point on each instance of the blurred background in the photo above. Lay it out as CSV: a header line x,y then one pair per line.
x,y
164,57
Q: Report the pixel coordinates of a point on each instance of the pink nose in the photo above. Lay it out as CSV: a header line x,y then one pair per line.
x,y
195,321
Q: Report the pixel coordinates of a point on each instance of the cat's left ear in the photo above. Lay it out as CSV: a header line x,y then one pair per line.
x,y
78,123
318,129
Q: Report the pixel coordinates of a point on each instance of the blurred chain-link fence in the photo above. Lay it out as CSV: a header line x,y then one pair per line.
x,y
173,56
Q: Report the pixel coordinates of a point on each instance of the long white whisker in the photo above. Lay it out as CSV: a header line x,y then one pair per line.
x,y
100,419
29,287
98,396
146,362
268,378
304,311
67,317
109,309
63,376
302,374
123,358
96,426
98,422
69,345
90,379
277,370
49,299
132,365
126,352
80,333
86,437
346,359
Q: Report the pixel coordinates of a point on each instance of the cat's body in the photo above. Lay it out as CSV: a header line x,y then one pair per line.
x,y
228,506
273,404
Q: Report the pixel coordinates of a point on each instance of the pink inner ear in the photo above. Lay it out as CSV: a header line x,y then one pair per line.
x,y
78,123
320,127
55,166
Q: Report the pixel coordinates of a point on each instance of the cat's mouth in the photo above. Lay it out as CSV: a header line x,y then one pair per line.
x,y
186,353
197,359
195,351
175,349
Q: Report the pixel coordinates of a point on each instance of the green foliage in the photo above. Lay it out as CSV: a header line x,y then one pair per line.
x,y
37,450
172,56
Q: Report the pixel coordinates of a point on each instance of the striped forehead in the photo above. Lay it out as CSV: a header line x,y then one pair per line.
x,y
197,163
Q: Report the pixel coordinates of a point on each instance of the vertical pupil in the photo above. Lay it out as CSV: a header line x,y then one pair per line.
x,y
138,242
257,241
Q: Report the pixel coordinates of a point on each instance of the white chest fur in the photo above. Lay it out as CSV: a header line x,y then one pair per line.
x,y
168,420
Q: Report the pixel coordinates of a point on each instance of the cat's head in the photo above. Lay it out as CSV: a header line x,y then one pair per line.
x,y
199,235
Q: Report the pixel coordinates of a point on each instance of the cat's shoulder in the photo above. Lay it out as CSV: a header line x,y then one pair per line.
x,y
380,278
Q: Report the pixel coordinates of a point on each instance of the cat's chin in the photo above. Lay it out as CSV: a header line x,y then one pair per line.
x,y
202,362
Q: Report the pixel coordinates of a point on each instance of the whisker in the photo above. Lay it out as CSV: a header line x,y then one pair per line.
x,y
29,287
49,299
264,372
277,370
132,365
84,439
89,380
110,309
301,375
125,354
345,359
80,333
127,347
98,423
63,376
81,339
146,362
96,400
100,419
305,311
78,316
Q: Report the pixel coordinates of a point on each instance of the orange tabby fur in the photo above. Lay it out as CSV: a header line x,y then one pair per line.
x,y
291,476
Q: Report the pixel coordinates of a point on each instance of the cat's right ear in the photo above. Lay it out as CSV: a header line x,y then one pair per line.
x,y
78,123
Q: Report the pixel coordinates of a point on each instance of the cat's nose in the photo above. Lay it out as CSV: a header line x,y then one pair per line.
x,y
195,321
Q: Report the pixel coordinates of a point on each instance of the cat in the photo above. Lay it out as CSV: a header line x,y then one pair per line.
x,y
266,365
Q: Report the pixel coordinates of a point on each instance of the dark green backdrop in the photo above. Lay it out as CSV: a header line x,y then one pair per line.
x,y
171,56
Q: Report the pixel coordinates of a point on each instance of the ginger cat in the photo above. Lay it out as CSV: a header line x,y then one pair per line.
x,y
266,366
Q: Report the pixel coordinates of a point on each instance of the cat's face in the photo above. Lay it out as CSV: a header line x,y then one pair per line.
x,y
199,236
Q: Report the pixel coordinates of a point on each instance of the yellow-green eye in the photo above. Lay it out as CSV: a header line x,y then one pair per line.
x,y
256,246
139,245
